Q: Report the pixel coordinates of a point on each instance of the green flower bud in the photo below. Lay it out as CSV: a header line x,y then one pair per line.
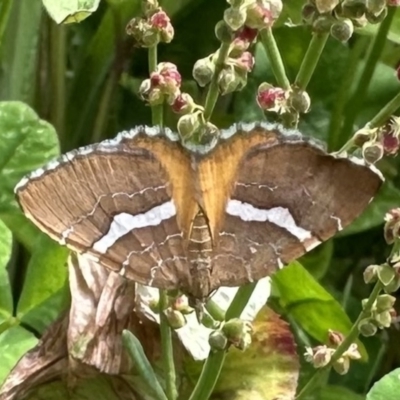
x,y
238,333
385,274
323,24
326,6
224,32
393,286
367,328
375,7
227,80
299,100
371,273
208,134
342,30
383,319
376,19
235,17
203,71
372,152
175,318
218,341
342,365
188,124
385,302
352,9
154,306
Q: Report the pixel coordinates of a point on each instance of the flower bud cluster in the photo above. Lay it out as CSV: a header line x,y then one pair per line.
x,y
341,17
175,310
379,316
239,62
377,142
163,85
153,28
275,99
391,229
321,356
255,14
239,28
235,332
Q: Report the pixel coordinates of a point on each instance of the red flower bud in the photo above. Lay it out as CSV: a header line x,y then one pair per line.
x,y
270,98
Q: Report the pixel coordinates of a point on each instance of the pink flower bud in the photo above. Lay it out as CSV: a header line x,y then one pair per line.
x,y
159,20
335,337
247,34
270,98
391,143
245,61
259,16
393,3
183,104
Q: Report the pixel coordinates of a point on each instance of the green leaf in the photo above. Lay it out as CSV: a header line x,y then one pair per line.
x,y
45,277
315,310
386,199
14,343
69,11
388,388
6,302
142,364
318,260
26,143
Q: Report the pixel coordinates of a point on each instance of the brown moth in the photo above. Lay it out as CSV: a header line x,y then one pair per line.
x,y
197,218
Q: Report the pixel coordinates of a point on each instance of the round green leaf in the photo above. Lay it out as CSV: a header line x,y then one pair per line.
x,y
388,388
26,143
69,11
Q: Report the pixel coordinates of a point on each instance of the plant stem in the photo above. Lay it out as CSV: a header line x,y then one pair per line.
x,y
215,311
385,113
240,301
269,43
209,376
5,11
355,103
349,339
213,90
156,111
167,349
310,60
213,365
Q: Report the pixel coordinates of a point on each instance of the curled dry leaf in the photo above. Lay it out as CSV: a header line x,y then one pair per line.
x,y
76,348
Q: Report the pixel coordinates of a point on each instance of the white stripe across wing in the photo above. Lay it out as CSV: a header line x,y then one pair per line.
x,y
278,215
124,223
